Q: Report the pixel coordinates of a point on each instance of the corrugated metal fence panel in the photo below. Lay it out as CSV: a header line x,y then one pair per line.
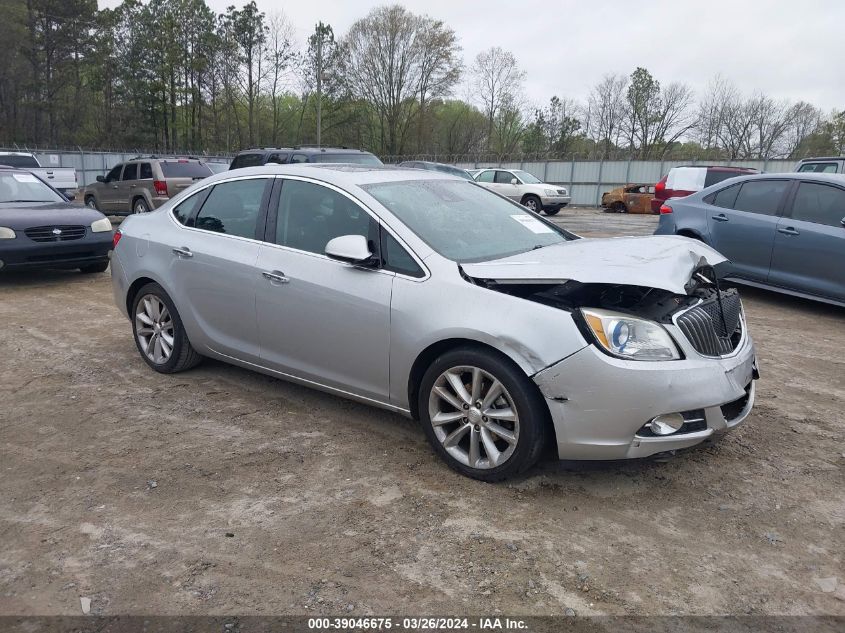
x,y
559,172
586,171
584,195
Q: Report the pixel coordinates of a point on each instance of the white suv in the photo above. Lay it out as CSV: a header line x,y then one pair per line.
x,y
524,188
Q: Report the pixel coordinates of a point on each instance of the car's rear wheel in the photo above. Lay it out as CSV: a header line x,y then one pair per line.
x,y
533,203
159,333
95,268
482,414
91,202
140,206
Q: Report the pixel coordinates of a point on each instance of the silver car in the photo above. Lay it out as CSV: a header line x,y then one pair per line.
x,y
433,297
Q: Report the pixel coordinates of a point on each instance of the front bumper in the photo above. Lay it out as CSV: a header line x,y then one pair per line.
x,y
22,252
598,403
555,202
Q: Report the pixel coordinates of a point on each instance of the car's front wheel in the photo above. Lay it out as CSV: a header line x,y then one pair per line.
x,y
159,333
482,414
533,203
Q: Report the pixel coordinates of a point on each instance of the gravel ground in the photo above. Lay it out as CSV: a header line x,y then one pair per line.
x,y
224,491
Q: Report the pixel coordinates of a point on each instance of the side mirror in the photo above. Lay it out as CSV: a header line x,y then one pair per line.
x,y
101,179
351,249
514,181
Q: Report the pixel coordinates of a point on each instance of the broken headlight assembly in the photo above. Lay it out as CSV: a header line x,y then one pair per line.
x,y
629,337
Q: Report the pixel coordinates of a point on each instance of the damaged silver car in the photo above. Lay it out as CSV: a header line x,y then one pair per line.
x,y
428,295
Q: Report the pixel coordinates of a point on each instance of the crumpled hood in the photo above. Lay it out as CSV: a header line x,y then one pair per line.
x,y
665,262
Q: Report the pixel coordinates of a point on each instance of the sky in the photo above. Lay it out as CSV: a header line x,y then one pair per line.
x,y
786,49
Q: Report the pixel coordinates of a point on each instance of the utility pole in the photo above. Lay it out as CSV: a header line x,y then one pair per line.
x,y
319,83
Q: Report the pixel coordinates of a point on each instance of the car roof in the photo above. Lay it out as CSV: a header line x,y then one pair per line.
x,y
339,174
807,160
834,179
718,168
305,150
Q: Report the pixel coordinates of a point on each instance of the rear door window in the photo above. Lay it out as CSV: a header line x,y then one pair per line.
x,y
233,207
761,196
130,172
299,158
186,169
277,158
820,204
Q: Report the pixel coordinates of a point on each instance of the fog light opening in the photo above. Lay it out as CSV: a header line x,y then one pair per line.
x,y
666,424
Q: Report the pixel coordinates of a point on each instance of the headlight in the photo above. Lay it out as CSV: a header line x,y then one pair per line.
x,y
550,192
629,337
6,233
101,226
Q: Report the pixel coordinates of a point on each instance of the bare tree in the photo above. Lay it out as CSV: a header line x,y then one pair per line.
x,y
805,120
439,65
280,55
384,69
497,80
606,112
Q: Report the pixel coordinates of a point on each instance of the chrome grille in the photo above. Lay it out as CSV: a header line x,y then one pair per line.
x,y
707,331
61,233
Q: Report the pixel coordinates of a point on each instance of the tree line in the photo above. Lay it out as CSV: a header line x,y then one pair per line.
x,y
172,75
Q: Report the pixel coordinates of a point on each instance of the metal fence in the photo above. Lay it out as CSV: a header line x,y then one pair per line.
x,y
585,179
588,179
90,164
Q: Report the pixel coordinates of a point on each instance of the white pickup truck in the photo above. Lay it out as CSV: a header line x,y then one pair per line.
x,y
61,178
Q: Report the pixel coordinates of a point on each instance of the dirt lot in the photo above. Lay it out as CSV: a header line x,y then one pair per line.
x,y
223,491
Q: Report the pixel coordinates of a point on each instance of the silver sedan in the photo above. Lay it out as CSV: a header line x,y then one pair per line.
x,y
433,297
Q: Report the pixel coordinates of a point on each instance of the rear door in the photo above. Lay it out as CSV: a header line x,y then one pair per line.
x,y
809,248
213,264
742,222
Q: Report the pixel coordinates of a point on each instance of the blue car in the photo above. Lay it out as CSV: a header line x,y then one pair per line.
x,y
783,232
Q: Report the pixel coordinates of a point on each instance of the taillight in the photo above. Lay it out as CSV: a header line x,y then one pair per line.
x,y
116,238
660,188
160,187
665,209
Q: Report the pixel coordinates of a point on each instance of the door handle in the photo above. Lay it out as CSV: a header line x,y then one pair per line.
x,y
276,276
132,186
720,218
183,252
114,186
789,231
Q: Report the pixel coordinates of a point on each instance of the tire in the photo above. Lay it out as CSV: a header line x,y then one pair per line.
x,y
532,203
528,432
553,211
139,205
619,207
95,268
91,203
182,355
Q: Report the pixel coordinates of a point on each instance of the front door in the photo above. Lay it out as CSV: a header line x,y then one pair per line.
x,y
809,251
504,186
126,188
108,190
320,319
743,230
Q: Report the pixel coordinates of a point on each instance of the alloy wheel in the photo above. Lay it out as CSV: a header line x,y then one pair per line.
x,y
154,329
474,417
531,203
141,207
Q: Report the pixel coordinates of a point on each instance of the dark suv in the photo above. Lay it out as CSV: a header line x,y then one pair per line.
x,y
285,155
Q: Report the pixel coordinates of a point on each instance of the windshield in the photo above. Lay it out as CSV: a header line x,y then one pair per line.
x,y
525,177
23,187
13,160
463,221
358,159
